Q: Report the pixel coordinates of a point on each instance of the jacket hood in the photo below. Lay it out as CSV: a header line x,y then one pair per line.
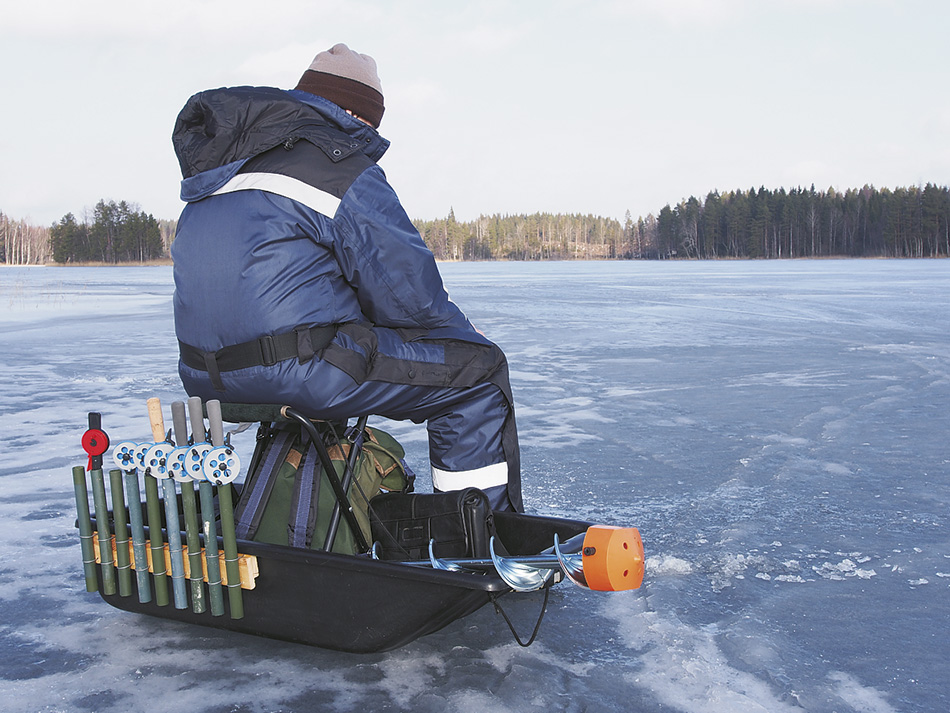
x,y
225,127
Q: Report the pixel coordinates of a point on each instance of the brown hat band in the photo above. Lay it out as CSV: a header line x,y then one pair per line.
x,y
362,100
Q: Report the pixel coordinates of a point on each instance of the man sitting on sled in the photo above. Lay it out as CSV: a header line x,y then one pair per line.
x,y
300,280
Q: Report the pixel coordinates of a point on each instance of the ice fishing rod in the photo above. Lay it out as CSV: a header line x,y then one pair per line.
x,y
157,466
189,506
129,457
86,534
200,447
123,563
221,466
95,442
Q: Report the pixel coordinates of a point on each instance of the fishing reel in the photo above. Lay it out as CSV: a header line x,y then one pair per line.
x,y
221,465
218,465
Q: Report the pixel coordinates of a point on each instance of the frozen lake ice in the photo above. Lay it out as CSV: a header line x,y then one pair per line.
x,y
778,431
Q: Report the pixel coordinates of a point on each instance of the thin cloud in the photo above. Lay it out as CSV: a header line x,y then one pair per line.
x,y
680,12
281,66
176,21
485,38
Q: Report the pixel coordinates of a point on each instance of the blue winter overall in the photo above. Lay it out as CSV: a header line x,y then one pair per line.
x,y
294,248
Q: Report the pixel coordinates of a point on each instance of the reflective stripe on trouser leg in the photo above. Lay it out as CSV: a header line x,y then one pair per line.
x,y
498,497
481,478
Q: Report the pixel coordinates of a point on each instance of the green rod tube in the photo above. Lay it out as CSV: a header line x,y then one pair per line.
x,y
179,591
102,525
226,508
189,506
85,529
212,560
153,507
193,539
139,553
208,527
122,562
235,596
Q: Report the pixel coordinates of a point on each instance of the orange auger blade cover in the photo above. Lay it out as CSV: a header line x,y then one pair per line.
x,y
613,558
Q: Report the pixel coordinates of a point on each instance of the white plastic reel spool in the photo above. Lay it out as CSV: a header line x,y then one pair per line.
x,y
176,464
125,455
221,465
156,460
140,451
193,463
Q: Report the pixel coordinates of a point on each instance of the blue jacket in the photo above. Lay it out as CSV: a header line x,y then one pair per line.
x,y
290,222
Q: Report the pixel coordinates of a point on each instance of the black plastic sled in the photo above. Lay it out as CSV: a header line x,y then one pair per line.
x,y
355,603
137,553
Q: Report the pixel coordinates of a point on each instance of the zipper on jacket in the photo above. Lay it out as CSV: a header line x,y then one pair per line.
x,y
289,143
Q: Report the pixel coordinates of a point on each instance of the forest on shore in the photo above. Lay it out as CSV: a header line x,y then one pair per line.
x,y
110,234
911,222
801,223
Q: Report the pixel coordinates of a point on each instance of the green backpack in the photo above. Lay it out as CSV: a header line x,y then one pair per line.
x,y
287,497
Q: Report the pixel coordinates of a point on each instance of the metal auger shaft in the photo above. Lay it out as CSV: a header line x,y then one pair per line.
x,y
523,573
604,559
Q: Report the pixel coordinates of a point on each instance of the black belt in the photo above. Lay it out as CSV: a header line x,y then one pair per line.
x,y
301,344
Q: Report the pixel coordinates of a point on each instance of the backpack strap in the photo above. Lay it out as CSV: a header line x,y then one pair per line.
x,y
254,497
306,493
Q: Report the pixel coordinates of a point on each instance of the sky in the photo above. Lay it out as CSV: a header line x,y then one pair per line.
x,y
562,106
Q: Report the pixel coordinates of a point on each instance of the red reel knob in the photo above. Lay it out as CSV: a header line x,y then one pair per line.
x,y
95,442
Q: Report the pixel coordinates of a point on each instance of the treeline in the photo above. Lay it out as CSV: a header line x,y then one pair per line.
x,y
763,223
542,236
22,243
866,222
116,232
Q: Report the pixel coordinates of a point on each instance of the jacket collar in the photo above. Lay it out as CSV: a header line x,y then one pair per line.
x,y
374,144
219,127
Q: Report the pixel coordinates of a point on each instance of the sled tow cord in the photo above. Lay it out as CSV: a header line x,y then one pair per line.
x,y
544,605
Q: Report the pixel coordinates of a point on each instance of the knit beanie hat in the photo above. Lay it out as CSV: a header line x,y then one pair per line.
x,y
348,79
